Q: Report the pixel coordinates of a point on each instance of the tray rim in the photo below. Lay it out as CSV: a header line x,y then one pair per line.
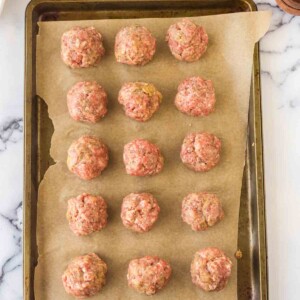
x,y
28,148
259,175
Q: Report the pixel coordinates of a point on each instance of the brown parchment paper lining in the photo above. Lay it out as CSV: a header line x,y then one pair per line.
x,y
228,62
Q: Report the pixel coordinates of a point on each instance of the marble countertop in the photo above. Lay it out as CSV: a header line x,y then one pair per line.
x,y
280,77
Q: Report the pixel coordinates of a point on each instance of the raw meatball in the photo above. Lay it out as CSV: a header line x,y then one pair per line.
x,y
148,274
210,269
86,214
201,210
87,157
81,47
134,45
87,102
140,100
200,151
196,97
187,41
139,211
85,276
142,158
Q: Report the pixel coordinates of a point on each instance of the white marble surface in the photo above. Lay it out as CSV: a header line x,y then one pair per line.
x,y
280,65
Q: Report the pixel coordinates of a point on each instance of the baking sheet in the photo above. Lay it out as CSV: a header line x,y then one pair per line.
x,y
228,62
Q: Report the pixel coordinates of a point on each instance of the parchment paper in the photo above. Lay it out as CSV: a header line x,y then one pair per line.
x,y
228,62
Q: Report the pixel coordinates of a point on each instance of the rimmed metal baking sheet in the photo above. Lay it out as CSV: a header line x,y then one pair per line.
x,y
252,268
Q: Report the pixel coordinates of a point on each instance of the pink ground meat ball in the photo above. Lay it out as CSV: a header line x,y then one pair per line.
x,y
85,276
142,158
87,157
148,274
81,47
211,269
196,97
139,211
134,45
201,210
140,100
87,102
187,41
200,151
86,214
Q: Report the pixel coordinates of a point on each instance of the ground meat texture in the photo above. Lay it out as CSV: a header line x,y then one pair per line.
x,y
87,102
85,276
140,100
142,158
139,211
187,41
211,269
134,45
81,47
200,151
87,157
196,97
86,214
148,274
201,210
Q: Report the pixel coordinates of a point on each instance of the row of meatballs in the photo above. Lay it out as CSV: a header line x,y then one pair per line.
x,y
88,156
88,213
134,44
85,276
87,100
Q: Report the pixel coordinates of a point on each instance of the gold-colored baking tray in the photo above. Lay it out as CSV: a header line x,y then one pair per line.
x,y
252,268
